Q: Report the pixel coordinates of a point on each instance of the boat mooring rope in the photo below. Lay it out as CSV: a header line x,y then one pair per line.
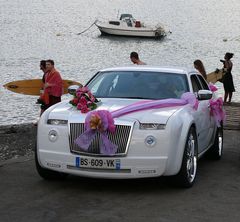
x,y
87,28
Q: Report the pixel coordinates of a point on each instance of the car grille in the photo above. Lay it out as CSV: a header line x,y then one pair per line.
x,y
121,138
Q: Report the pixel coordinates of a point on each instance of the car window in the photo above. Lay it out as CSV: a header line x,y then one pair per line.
x,y
195,83
96,85
203,82
138,84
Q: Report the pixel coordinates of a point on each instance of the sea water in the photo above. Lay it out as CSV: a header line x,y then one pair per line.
x,y
32,30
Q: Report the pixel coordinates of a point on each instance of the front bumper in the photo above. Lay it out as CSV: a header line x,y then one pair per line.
x,y
128,167
140,160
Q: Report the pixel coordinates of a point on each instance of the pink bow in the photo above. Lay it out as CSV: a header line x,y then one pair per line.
x,y
217,111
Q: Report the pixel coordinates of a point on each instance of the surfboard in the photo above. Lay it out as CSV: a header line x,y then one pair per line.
x,y
215,76
34,86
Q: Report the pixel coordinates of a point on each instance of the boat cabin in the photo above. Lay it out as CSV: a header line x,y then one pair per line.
x,y
123,16
128,19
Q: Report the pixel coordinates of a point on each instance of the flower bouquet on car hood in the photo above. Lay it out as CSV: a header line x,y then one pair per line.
x,y
84,100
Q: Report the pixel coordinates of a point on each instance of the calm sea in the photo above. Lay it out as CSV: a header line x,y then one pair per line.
x,y
31,30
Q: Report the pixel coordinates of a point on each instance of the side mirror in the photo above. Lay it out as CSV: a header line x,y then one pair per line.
x,y
204,94
72,89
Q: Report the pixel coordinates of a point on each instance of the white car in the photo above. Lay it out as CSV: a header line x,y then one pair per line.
x,y
153,142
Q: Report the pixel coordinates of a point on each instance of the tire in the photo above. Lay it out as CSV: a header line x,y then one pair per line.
x,y
216,151
46,173
187,174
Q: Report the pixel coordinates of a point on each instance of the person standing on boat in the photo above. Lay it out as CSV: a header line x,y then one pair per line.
x,y
53,86
135,59
198,65
227,78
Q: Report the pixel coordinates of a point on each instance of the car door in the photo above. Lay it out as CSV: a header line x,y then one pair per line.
x,y
211,118
202,116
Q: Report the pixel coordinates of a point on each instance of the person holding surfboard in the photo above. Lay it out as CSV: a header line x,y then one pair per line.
x,y
200,67
227,78
53,86
43,68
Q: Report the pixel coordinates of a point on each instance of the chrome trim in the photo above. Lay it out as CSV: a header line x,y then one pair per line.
x,y
93,148
104,170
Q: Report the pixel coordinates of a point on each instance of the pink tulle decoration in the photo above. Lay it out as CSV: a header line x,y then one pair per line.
x,y
187,98
212,87
105,123
105,119
217,111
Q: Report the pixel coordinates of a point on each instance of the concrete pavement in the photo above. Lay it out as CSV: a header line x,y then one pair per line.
x,y
215,196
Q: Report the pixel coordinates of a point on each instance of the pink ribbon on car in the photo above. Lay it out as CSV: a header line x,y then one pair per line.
x,y
102,120
98,121
216,107
217,111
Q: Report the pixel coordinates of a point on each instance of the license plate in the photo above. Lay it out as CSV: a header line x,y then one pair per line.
x,y
103,163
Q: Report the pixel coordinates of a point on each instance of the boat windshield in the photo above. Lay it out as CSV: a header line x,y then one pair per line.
x,y
125,16
138,85
129,22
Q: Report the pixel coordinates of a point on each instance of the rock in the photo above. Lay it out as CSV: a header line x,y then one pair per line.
x,y
17,140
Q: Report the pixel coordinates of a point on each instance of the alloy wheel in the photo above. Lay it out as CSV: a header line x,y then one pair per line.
x,y
191,159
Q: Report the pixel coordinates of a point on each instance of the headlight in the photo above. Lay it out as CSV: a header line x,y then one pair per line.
x,y
57,122
152,126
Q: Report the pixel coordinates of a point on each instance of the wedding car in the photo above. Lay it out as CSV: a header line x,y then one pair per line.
x,y
132,122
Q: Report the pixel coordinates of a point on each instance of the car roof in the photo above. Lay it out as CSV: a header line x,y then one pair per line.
x,y
147,68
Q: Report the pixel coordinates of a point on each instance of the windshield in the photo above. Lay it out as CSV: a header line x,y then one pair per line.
x,y
138,85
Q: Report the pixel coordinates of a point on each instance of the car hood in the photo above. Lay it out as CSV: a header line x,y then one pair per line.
x,y
66,111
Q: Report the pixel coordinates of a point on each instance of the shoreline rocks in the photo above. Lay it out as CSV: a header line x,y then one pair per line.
x,y
17,140
16,128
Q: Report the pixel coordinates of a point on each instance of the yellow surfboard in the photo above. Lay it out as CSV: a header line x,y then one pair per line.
x,y
215,76
34,86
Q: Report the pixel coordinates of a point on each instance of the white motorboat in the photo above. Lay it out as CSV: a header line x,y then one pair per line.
x,y
126,25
